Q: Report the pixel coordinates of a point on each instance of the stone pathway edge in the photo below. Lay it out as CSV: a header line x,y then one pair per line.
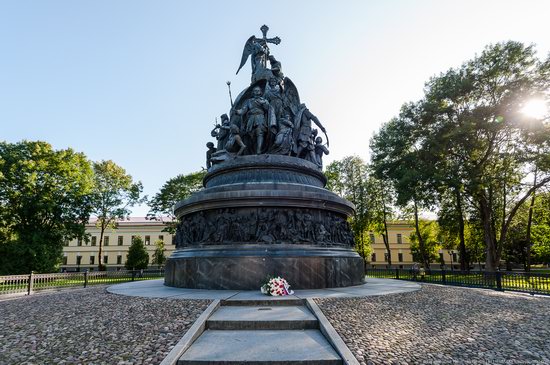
x,y
190,336
331,335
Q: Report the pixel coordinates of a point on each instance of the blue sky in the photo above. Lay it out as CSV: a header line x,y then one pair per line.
x,y
140,82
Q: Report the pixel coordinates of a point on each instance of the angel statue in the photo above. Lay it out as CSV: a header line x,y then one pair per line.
x,y
258,51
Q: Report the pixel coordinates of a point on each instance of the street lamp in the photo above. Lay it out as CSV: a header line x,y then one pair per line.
x,y
451,253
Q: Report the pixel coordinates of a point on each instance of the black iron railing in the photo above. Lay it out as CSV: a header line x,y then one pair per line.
x,y
532,282
32,282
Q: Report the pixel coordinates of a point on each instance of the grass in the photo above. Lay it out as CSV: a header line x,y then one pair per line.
x,y
538,282
10,286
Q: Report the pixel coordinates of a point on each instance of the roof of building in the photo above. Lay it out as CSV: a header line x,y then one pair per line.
x,y
136,220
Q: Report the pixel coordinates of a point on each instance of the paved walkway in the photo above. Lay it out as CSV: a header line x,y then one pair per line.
x,y
157,289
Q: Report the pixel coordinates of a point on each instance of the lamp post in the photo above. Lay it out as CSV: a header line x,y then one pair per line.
x,y
451,253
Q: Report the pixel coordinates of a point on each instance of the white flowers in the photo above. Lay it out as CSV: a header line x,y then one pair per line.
x,y
276,287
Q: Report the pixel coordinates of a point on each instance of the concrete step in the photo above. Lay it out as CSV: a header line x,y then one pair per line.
x,y
274,347
247,298
262,318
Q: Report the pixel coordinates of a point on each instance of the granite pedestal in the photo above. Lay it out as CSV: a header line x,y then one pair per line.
x,y
260,216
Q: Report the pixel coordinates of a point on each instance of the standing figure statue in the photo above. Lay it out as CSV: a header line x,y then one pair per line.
x,y
258,51
273,94
276,68
303,130
209,153
221,131
255,109
320,150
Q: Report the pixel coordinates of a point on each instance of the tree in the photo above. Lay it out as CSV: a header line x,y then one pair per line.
x,y
467,142
113,195
471,123
348,178
382,199
44,202
158,256
174,190
137,258
398,159
430,234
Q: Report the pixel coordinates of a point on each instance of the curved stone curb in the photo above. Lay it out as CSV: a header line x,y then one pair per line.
x,y
156,289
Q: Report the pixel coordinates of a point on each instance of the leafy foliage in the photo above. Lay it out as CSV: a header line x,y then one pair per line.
x,y
159,258
137,258
178,188
44,201
113,195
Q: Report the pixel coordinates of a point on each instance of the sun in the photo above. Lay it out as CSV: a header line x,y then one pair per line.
x,y
535,108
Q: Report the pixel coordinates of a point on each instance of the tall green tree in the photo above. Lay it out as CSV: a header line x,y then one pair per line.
x,y
114,193
472,124
430,238
397,158
137,258
159,257
174,190
44,201
348,178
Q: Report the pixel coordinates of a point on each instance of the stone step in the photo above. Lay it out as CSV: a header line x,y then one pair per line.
x,y
262,318
280,347
247,298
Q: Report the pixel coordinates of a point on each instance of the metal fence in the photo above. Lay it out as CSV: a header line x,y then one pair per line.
x,y
527,282
28,284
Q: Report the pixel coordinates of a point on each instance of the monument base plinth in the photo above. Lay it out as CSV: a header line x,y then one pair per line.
x,y
246,268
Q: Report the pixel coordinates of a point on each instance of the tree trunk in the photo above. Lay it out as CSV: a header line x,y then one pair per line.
x,y
99,259
464,261
421,245
491,260
386,237
529,222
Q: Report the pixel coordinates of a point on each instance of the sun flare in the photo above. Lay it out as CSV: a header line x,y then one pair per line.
x,y
535,108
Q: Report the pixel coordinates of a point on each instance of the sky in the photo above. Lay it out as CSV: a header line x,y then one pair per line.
x,y
141,82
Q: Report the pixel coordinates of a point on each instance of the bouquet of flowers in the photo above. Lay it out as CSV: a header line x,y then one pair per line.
x,y
276,286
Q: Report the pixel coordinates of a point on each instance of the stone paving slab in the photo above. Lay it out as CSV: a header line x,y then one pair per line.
x,y
443,325
157,289
242,347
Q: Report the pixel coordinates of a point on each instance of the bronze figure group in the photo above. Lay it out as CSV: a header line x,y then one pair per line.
x,y
267,117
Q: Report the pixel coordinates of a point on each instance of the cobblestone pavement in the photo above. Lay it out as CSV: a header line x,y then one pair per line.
x,y
444,325
91,326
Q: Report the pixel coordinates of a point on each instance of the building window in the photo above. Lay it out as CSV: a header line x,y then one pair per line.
x,y
147,240
94,240
92,260
64,260
132,240
386,256
455,257
371,236
400,257
120,240
79,241
173,240
441,258
373,257
119,260
106,259
78,260
106,241
66,243
399,238
161,237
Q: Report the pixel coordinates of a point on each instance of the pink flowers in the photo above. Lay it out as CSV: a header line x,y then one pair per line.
x,y
276,286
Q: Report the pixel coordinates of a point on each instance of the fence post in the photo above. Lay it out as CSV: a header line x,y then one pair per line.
x,y
86,278
498,277
397,273
443,277
30,283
